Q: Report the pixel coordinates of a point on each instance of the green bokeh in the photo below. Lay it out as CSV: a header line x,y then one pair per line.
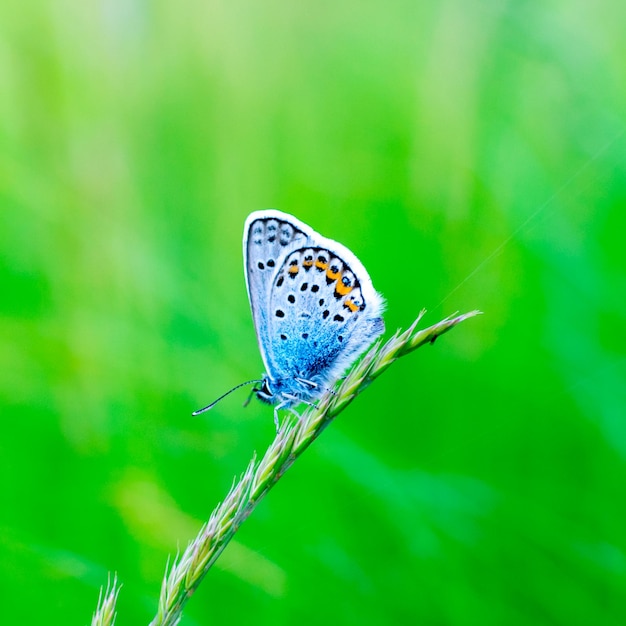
x,y
472,154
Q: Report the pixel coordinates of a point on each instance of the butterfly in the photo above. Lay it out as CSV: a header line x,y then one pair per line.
x,y
313,304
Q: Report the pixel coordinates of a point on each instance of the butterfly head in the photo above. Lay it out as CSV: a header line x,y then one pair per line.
x,y
286,392
265,392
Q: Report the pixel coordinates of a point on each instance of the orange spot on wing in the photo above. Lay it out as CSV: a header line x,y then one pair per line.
x,y
293,269
350,304
321,265
333,275
342,289
307,263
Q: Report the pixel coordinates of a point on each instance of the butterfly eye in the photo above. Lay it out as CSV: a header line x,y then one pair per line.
x,y
265,388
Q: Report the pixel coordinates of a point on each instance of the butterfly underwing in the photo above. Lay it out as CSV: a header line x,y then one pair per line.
x,y
314,307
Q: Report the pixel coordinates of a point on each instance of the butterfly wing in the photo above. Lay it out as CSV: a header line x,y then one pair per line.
x,y
313,303
322,314
269,236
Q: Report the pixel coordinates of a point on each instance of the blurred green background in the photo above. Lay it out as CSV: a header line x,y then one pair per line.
x,y
472,154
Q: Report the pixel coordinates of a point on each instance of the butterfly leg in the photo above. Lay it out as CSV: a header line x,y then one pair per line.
x,y
313,385
294,412
285,405
276,420
297,400
304,381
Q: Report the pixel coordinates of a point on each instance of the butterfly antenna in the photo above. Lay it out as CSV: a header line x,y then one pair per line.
x,y
210,406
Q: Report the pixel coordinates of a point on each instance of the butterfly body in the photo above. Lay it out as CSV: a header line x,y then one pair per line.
x,y
313,305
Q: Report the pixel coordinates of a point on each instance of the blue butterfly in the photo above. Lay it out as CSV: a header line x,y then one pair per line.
x,y
314,308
